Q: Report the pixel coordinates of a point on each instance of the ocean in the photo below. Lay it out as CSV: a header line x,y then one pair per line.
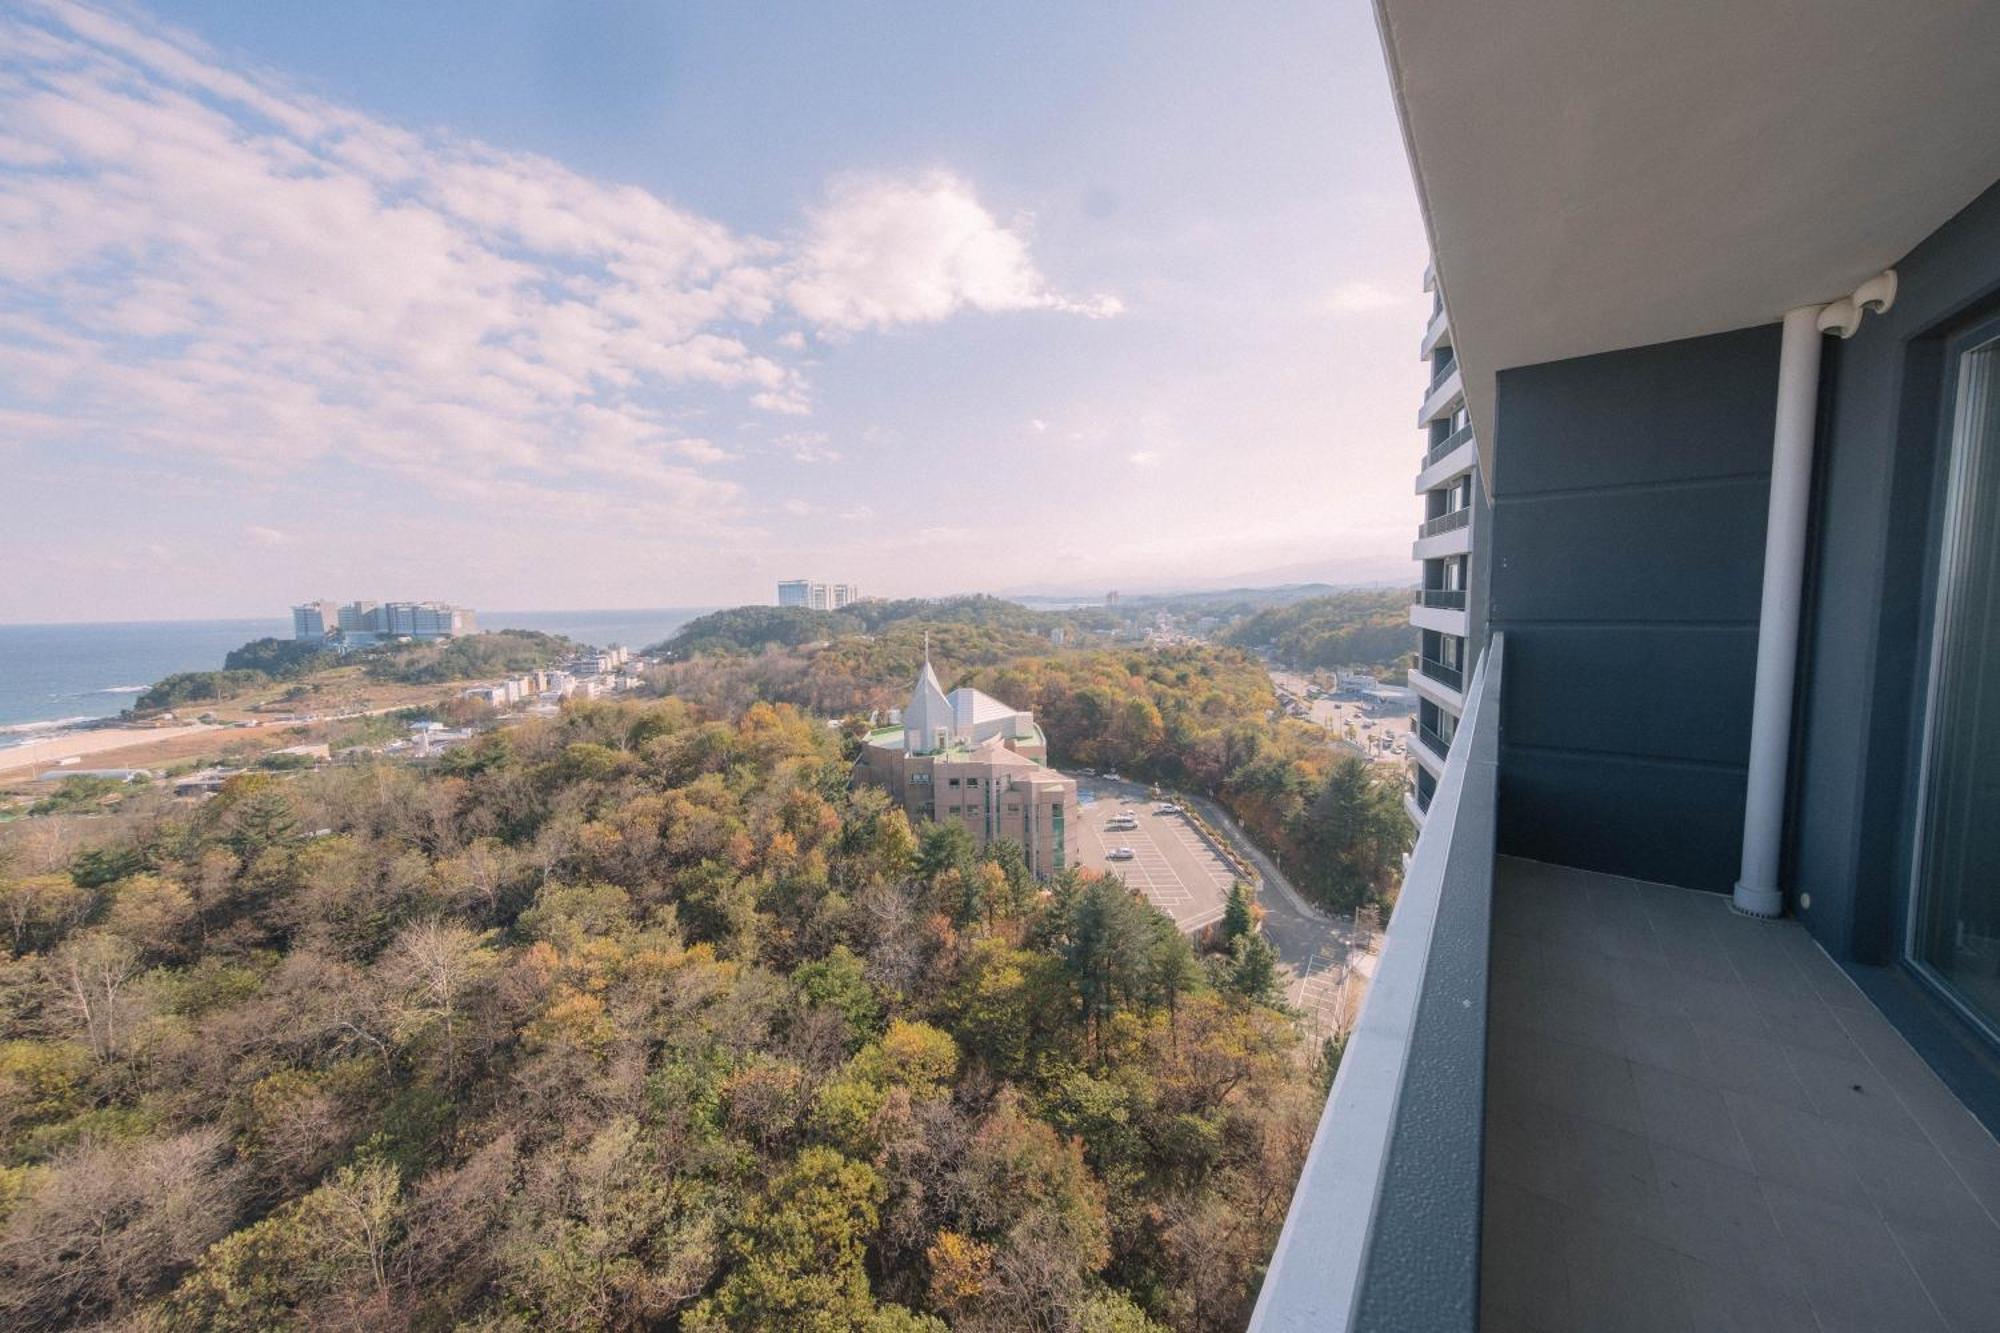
x,y
53,674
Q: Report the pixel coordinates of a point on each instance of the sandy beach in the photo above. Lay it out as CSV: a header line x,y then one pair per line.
x,y
94,748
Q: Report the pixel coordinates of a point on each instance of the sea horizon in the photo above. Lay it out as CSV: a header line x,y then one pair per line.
x,y
65,673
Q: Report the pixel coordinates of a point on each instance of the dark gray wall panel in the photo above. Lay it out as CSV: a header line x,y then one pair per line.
x,y
1692,552
1564,690
1653,414
1626,567
1653,820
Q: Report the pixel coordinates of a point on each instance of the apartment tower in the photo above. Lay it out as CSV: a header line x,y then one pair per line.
x,y
1446,479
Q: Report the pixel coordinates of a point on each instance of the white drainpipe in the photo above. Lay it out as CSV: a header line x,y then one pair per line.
x,y
1757,890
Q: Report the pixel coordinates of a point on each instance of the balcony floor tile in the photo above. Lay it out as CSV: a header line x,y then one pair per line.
x,y
1722,1133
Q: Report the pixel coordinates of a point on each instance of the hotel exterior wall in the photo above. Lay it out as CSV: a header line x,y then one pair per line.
x,y
1035,807
1625,565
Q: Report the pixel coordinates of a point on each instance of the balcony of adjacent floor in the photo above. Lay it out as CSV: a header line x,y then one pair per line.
x,y
1440,609
1442,398
1442,685
1437,333
1444,535
1448,460
1579,1101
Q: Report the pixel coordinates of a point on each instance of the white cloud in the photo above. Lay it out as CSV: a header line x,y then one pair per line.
x,y
810,447
1143,457
1038,426
264,536
199,261
1361,298
884,252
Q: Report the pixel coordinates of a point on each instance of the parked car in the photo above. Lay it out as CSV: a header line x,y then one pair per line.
x,y
1166,808
1120,854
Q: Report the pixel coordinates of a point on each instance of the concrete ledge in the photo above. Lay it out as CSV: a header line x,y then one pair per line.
x,y
1383,1231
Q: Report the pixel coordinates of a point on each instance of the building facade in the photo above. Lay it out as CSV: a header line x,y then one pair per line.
x,y
314,620
1447,481
363,622
968,759
816,596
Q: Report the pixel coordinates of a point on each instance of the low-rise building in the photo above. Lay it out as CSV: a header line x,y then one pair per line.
x,y
969,759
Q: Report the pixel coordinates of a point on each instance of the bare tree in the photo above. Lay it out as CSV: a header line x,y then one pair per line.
x,y
93,971
106,1225
432,971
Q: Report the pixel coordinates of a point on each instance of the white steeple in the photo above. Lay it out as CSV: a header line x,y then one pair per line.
x,y
927,722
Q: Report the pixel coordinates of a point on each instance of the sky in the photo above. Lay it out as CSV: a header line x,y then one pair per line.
x,y
631,304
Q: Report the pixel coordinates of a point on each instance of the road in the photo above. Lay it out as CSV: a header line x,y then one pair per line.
x,y
1327,960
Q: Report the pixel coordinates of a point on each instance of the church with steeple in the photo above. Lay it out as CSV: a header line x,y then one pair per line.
x,y
969,759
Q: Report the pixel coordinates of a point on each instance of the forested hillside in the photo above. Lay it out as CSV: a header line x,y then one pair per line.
x,y
1359,627
626,1019
854,673
263,661
751,629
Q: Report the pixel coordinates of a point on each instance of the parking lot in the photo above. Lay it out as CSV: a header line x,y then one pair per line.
x,y
1171,864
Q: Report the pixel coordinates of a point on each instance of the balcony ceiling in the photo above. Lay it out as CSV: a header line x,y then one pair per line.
x,y
1597,176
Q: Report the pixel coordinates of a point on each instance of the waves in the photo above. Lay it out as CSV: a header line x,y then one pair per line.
x,y
21,733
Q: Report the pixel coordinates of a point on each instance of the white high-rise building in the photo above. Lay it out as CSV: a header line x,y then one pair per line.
x,y
314,620
817,596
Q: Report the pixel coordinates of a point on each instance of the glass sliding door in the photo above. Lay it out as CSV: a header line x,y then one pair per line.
x,y
1955,916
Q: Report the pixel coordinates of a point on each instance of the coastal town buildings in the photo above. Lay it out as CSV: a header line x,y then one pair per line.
x,y
817,596
968,759
589,675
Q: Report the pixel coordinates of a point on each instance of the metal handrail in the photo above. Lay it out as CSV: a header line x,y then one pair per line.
x,y
1442,674
1436,743
1456,519
1438,376
1441,599
1446,446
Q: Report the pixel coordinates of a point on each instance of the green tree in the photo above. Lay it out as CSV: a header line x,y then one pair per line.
x,y
1351,838
838,982
1238,919
797,1257
1252,970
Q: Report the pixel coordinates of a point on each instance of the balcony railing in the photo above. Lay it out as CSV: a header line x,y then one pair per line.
x,y
1446,446
1457,518
1435,741
1438,375
1441,599
1449,676
1383,1230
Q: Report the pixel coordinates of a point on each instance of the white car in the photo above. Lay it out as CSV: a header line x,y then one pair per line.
x,y
1120,854
1166,808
